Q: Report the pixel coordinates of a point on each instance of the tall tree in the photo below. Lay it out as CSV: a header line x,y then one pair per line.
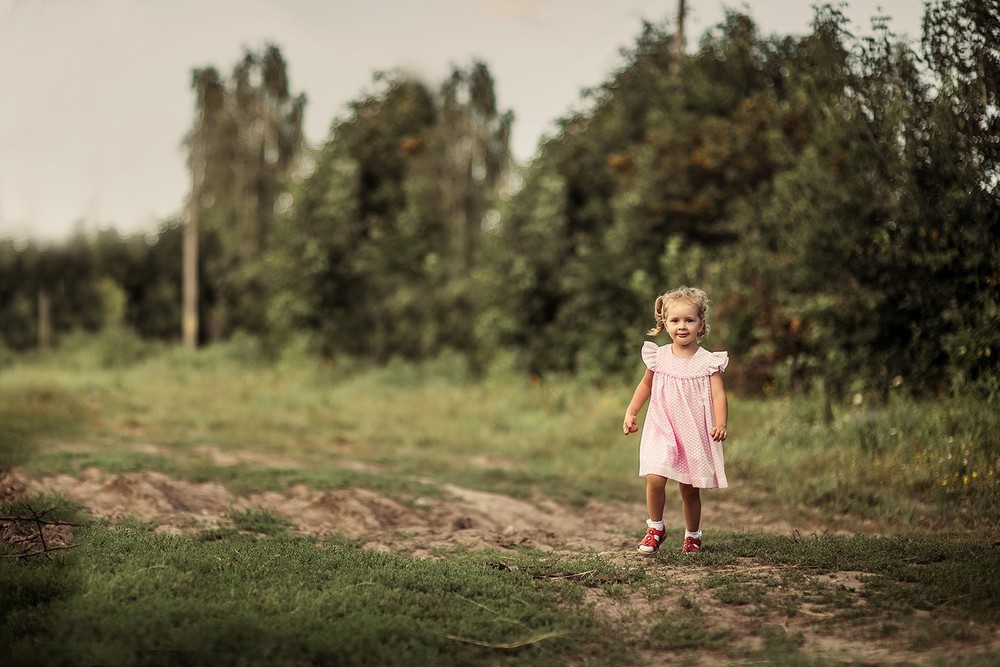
x,y
348,247
958,166
243,149
475,138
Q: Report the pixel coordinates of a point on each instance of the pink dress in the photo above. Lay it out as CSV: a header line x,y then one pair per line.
x,y
675,437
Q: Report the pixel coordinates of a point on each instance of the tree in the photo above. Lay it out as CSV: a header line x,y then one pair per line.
x,y
475,141
243,149
958,166
385,232
348,246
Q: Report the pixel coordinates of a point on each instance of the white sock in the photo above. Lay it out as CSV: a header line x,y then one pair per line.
x,y
696,534
654,524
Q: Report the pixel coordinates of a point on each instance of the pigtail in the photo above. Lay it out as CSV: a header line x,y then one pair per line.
x,y
658,315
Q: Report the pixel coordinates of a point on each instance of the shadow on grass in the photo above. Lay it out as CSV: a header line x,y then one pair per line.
x,y
30,413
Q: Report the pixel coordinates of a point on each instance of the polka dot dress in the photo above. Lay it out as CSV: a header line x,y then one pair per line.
x,y
675,436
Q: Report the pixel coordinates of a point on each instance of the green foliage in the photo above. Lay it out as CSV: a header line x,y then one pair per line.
x,y
376,257
146,270
835,196
108,281
244,145
357,249
830,194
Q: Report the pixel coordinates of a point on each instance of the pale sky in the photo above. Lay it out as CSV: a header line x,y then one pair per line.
x,y
95,95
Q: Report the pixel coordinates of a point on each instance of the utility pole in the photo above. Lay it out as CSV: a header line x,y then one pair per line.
x,y
190,259
678,53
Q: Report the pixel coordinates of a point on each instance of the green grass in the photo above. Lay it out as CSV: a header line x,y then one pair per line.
x,y
29,411
257,596
251,592
504,435
910,464
129,597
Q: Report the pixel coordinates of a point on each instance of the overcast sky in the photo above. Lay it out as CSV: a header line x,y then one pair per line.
x,y
95,95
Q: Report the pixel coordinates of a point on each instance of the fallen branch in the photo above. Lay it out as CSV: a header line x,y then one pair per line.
x,y
565,575
27,553
35,538
31,519
508,645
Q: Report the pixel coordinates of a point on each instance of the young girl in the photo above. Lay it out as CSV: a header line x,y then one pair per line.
x,y
686,421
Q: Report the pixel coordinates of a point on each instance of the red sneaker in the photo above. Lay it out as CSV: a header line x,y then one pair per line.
x,y
691,546
651,542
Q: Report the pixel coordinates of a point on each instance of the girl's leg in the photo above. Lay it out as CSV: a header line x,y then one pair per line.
x,y
691,503
656,496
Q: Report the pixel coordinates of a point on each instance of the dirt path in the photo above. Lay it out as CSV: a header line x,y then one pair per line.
x,y
472,519
461,517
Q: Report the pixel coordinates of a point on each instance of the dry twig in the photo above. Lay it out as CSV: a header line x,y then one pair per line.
x,y
34,540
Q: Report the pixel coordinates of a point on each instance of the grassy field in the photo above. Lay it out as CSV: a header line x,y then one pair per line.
x,y
870,538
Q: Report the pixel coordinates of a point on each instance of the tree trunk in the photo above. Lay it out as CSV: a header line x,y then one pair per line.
x,y
44,319
678,53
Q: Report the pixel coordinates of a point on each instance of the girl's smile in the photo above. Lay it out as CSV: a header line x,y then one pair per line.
x,y
683,324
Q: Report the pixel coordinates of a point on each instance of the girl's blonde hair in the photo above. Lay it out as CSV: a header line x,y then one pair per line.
x,y
689,295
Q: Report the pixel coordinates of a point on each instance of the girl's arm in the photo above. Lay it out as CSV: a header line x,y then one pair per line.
x,y
639,399
721,404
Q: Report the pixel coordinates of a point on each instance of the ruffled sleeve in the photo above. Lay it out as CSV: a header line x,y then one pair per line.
x,y
717,362
650,350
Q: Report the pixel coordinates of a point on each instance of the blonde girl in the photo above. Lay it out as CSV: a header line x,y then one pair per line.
x,y
685,425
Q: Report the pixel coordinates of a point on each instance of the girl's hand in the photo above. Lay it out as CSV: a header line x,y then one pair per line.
x,y
718,433
630,425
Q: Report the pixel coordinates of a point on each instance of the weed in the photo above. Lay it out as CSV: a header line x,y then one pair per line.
x,y
735,589
685,629
261,521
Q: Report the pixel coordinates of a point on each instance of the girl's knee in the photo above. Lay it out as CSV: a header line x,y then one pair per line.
x,y
689,492
656,482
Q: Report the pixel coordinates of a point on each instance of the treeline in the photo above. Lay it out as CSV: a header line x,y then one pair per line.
x,y
837,197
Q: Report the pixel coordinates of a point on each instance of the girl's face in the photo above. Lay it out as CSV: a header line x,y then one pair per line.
x,y
683,324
